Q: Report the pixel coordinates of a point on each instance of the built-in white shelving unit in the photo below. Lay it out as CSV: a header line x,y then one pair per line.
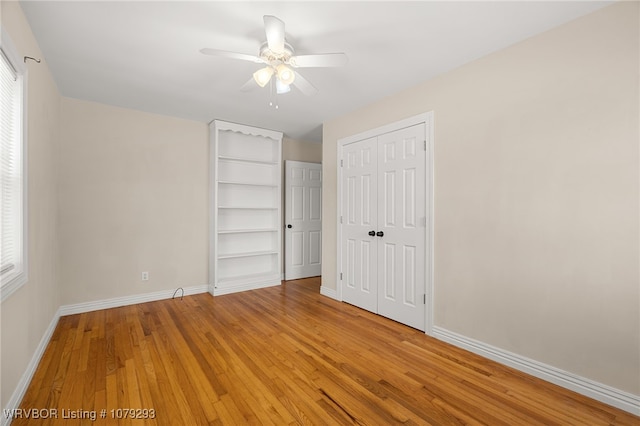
x,y
246,222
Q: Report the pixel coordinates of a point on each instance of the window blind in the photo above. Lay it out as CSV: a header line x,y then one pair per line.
x,y
10,167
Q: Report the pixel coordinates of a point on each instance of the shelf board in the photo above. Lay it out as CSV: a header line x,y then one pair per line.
x,y
245,230
247,208
246,160
228,182
247,254
263,276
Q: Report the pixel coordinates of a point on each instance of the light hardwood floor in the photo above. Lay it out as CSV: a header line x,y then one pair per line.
x,y
283,356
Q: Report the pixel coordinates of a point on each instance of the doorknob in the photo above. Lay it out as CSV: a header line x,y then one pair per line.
x,y
372,233
380,234
289,226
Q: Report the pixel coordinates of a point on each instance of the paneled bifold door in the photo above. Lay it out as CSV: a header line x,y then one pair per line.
x,y
383,224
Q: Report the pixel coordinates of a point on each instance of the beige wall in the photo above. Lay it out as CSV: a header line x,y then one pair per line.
x,y
27,313
133,198
536,195
310,152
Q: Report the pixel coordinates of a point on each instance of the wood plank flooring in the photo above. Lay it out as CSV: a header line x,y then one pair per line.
x,y
282,356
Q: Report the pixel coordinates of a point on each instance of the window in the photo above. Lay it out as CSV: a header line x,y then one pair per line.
x,y
13,262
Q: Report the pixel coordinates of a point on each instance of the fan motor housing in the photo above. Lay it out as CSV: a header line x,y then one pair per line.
x,y
270,56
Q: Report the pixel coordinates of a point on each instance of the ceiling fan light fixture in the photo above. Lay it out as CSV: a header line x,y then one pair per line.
x,y
285,74
278,57
282,88
263,75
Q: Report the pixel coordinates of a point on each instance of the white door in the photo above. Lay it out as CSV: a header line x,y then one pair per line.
x,y
303,220
402,222
384,225
359,223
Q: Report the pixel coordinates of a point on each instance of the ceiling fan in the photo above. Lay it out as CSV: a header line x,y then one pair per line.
x,y
279,59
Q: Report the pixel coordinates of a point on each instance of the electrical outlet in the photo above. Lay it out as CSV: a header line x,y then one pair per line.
x,y
145,276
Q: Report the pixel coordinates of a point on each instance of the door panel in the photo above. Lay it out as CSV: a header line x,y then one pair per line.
x,y
315,247
297,248
359,218
403,201
297,201
303,211
315,201
389,276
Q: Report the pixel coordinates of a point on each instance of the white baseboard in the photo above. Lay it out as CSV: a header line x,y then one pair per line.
x,y
329,292
598,391
117,302
25,380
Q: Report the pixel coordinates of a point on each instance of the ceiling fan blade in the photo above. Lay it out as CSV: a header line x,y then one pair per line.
x,y
322,60
249,85
304,86
274,28
232,55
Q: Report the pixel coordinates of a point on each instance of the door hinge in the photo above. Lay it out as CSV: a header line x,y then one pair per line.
x,y
424,299
341,163
425,145
340,276
340,219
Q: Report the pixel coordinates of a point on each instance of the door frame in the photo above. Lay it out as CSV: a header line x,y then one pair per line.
x,y
427,120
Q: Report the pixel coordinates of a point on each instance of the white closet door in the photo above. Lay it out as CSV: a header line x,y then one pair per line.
x,y
402,220
303,218
384,225
359,219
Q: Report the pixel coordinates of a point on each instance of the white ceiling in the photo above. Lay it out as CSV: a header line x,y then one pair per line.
x,y
145,54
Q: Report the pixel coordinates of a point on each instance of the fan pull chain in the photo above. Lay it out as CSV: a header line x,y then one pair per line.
x,y
272,96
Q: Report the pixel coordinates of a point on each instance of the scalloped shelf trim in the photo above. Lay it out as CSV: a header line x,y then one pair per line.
x,y
248,130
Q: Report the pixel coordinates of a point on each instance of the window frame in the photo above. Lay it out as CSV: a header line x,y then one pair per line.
x,y
14,279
